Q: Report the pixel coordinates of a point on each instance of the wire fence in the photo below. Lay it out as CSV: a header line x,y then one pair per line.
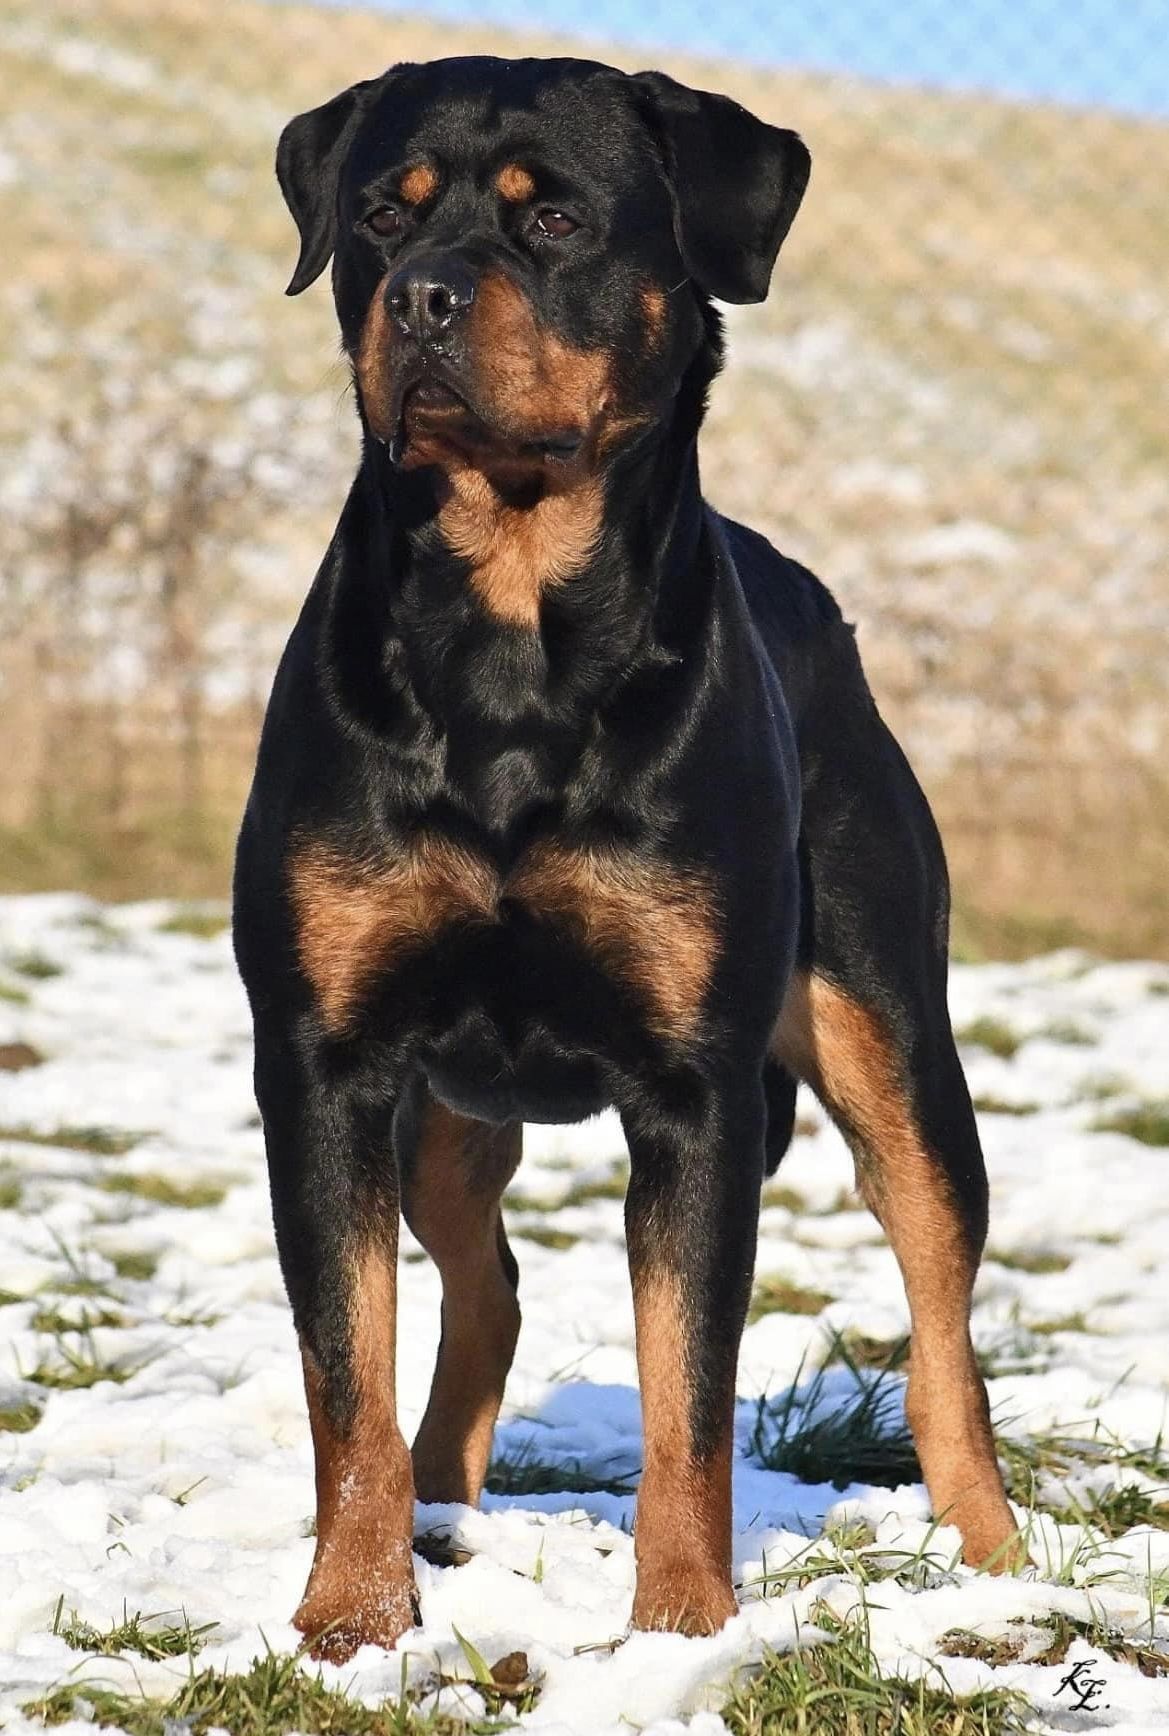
x,y
954,406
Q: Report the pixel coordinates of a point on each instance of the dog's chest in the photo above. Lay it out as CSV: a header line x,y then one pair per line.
x,y
650,927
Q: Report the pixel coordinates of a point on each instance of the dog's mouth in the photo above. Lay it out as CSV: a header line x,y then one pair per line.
x,y
431,415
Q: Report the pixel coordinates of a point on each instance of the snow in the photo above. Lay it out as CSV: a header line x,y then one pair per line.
x,y
188,1487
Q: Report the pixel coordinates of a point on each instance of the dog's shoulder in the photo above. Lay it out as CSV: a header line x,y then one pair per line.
x,y
799,623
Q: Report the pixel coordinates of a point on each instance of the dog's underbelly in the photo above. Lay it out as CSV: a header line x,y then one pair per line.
x,y
518,1022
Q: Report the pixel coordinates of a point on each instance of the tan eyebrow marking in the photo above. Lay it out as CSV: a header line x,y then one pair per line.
x,y
515,184
418,184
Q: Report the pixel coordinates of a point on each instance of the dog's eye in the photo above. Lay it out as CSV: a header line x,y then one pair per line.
x,y
384,221
555,225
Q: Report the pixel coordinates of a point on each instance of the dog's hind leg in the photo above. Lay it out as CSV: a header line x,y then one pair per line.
x,y
898,1094
866,1023
454,1171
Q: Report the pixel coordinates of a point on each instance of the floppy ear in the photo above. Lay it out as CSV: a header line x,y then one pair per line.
x,y
737,184
308,166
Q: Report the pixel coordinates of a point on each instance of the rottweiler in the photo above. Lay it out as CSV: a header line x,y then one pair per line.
x,y
572,794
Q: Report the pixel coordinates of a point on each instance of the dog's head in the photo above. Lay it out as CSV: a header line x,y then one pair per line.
x,y
524,249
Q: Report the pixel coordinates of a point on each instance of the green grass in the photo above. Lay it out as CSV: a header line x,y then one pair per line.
x,y
866,1352
1011,1648
100,1141
851,1550
1061,1323
992,1034
18,1419
135,1264
273,1698
1057,1455
36,965
138,1633
1031,1260
200,924
858,1436
778,1295
1121,1510
80,1366
776,1194
1000,1106
15,996
610,1186
161,1191
55,1321
1068,1031
1147,1122
523,1472
1149,1659
836,1689
997,1651
11,1191
545,1236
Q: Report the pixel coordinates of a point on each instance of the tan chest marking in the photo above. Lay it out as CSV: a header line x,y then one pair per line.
x,y
354,918
651,927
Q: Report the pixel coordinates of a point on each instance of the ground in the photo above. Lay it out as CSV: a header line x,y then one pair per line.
x,y
154,1453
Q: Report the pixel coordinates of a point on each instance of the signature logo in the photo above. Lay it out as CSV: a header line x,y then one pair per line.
x,y
1083,1687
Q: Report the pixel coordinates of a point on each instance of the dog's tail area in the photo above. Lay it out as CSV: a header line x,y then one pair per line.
x,y
779,1090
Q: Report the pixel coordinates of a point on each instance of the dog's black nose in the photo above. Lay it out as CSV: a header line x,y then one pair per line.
x,y
426,297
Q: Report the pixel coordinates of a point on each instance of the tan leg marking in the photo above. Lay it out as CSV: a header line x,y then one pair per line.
x,y
353,918
514,184
652,926
361,1589
841,1050
418,184
457,1177
682,1534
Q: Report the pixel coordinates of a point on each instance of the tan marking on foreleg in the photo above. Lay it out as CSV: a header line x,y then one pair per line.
x,y
361,1588
682,1535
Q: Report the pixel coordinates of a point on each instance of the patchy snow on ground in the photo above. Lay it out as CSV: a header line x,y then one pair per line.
x,y
184,1483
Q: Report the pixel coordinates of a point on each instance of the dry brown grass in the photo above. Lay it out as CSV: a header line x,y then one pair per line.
x,y
947,407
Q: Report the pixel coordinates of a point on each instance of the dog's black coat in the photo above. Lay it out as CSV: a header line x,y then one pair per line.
x,y
689,702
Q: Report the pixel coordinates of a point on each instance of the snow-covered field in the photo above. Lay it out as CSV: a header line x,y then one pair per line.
x,y
181,1480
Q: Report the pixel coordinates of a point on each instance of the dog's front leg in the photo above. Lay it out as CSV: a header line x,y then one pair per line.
x,y
335,1204
692,1215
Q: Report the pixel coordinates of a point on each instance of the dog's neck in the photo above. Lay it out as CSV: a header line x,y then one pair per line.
x,y
429,643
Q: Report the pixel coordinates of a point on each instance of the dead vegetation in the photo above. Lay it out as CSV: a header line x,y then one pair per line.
x,y
948,408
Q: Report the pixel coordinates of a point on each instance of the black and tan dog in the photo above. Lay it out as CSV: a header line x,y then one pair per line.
x,y
571,793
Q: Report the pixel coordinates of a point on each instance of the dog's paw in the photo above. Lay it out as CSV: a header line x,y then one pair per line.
x,y
335,1628
682,1600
